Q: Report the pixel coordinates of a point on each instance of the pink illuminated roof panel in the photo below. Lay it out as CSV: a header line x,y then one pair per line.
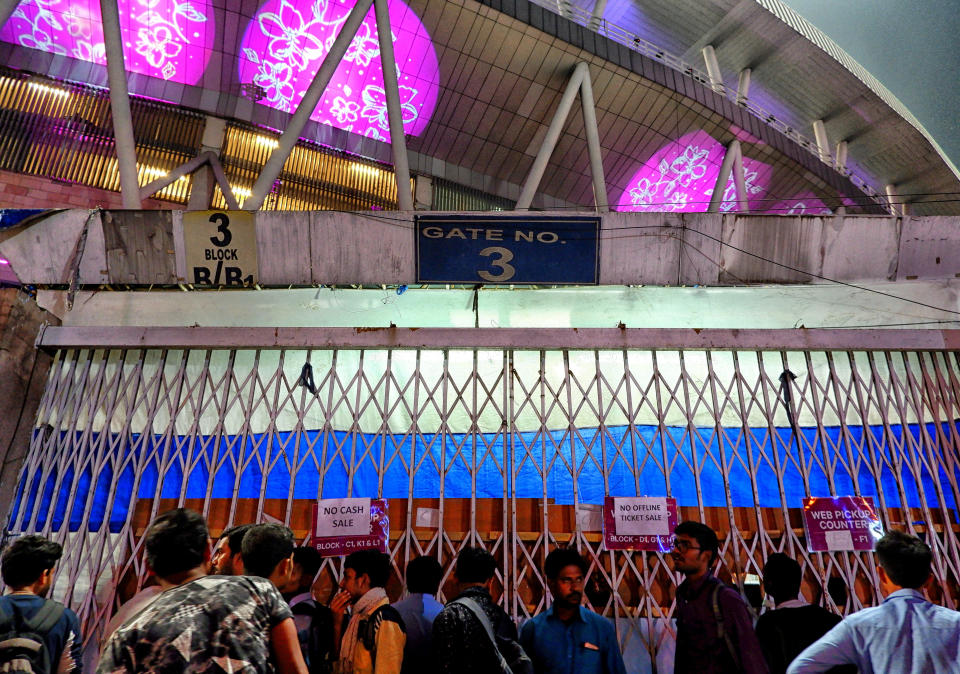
x,y
286,42
167,39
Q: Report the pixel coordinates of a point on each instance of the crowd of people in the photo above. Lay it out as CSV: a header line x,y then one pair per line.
x,y
248,607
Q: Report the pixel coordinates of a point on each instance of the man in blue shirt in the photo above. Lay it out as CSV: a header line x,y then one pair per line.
x,y
27,569
906,633
569,638
418,611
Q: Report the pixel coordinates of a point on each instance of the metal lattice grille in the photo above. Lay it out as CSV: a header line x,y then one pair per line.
x,y
507,445
313,177
65,132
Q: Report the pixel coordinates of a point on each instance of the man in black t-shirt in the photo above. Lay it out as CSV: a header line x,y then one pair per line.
x,y
794,624
27,569
461,644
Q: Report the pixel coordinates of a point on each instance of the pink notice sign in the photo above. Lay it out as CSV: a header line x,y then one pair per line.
x,y
841,523
639,523
342,526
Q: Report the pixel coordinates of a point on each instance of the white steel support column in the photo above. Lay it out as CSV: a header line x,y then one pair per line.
x,y
732,160
713,67
550,140
823,143
6,10
894,200
593,144
739,178
597,16
841,162
398,143
291,134
743,85
120,105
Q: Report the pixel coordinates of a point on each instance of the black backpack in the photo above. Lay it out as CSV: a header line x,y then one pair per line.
x,y
319,647
23,644
369,627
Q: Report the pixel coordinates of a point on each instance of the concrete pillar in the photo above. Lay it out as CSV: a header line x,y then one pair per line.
x,y
203,180
841,160
713,68
743,86
422,192
23,371
823,143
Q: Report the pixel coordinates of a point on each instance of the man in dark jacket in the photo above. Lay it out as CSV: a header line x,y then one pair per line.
x,y
794,624
714,627
461,644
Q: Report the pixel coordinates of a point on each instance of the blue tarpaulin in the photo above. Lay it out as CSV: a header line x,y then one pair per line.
x,y
635,465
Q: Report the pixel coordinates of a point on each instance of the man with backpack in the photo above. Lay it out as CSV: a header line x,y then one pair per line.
x,y
374,638
314,620
472,635
36,634
714,626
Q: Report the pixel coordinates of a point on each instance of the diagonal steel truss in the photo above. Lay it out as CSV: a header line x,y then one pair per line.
x,y
137,424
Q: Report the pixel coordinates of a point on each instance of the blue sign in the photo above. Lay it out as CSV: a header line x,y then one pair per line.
x,y
508,249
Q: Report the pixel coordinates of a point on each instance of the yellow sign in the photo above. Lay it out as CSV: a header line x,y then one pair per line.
x,y
220,248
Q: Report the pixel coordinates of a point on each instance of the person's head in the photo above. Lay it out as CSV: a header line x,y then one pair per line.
x,y
475,566
694,548
364,570
306,563
28,562
176,543
904,561
267,551
227,559
565,570
423,575
781,577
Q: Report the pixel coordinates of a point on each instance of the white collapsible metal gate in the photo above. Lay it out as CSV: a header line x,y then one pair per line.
x,y
516,416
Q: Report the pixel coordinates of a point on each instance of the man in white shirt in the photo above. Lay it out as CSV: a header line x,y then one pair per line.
x,y
906,633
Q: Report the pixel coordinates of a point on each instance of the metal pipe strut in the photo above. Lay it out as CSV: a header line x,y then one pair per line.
x,y
730,162
190,167
593,144
535,175
124,141
398,143
288,140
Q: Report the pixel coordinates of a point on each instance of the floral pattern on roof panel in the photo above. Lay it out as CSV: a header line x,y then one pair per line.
x,y
287,41
681,175
168,39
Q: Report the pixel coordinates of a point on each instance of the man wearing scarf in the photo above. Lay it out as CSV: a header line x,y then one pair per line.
x,y
374,638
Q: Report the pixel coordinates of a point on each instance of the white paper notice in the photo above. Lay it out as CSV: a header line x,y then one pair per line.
x,y
839,540
343,517
641,516
428,517
590,517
